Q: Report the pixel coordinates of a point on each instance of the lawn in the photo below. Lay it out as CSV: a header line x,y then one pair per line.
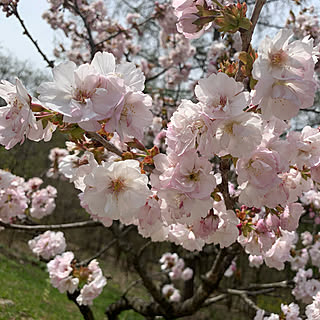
x,y
26,284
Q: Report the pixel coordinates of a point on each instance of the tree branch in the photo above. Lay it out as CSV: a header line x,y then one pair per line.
x,y
156,75
149,284
281,284
210,281
90,40
108,145
85,310
246,35
27,33
213,300
39,227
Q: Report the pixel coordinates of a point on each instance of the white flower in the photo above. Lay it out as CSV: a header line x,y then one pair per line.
x,y
281,59
190,128
313,310
116,190
238,135
222,96
16,119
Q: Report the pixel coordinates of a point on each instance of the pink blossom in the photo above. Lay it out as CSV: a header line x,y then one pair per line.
x,y
134,117
291,311
289,219
116,190
187,274
190,128
300,259
171,293
280,251
255,261
94,286
43,203
222,96
48,244
315,173
306,238
238,135
261,169
283,60
16,119
60,273
313,310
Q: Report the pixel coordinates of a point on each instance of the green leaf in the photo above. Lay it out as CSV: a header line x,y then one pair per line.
x,y
245,23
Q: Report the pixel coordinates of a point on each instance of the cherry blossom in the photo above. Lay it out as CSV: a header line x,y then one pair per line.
x,y
48,244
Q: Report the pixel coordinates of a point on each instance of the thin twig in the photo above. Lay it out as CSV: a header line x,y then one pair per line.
x,y
280,284
213,300
90,40
246,35
108,145
27,33
39,227
156,75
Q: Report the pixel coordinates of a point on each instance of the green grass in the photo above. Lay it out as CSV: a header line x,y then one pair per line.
x,y
28,286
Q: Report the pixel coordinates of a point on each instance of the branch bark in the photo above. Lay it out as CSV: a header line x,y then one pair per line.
x,y
39,227
109,146
85,310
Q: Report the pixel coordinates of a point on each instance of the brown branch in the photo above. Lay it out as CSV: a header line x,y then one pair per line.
x,y
224,186
90,40
281,284
148,310
213,300
246,35
85,310
108,145
39,227
210,281
27,33
155,292
157,75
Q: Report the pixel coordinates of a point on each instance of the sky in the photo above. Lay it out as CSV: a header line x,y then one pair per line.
x,y
13,41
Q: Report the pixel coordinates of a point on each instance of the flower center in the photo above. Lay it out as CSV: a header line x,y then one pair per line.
x,y
223,101
117,185
82,95
194,176
278,58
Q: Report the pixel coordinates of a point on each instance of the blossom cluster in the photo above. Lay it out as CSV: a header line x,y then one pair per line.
x,y
175,267
271,172
48,244
66,276
64,273
306,262
180,194
20,198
